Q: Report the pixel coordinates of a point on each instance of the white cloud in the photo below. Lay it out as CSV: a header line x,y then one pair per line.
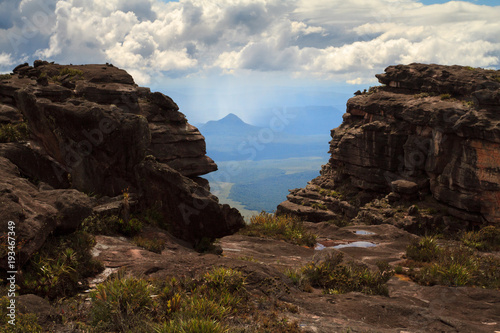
x,y
333,39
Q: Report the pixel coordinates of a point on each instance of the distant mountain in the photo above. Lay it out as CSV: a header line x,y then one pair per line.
x,y
230,125
230,138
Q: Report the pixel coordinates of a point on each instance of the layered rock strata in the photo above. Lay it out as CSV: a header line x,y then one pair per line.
x,y
429,134
94,131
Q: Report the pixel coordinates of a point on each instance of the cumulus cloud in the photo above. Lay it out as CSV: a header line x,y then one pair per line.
x,y
333,39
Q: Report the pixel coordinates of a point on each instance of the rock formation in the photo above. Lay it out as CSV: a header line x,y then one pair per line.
x,y
430,135
94,131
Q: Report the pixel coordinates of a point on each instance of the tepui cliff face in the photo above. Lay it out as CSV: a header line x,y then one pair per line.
x,y
429,135
95,134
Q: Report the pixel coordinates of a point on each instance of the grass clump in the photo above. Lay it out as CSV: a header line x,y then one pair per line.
x,y
445,96
318,205
451,265
14,133
486,239
71,72
5,76
122,304
111,225
203,304
335,276
23,322
339,222
281,227
425,250
153,245
56,270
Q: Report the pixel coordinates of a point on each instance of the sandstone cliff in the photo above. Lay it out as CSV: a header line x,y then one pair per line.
x,y
95,133
430,135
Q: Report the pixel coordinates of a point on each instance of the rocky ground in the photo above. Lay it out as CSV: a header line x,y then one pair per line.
x,y
409,307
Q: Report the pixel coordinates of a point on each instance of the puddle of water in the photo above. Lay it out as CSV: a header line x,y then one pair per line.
x,y
363,232
355,244
320,246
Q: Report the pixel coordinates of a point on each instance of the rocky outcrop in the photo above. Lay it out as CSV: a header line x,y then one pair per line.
x,y
93,130
429,134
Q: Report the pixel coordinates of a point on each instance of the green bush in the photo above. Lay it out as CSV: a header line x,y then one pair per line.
x,y
23,322
56,270
486,239
74,73
111,225
445,96
153,245
458,266
282,227
192,325
14,133
5,76
122,304
426,249
336,277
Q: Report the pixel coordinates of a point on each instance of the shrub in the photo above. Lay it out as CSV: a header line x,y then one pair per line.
x,y
56,270
282,227
111,225
192,325
445,96
121,304
23,322
339,222
337,277
74,73
5,76
460,266
153,245
14,133
318,205
486,239
426,249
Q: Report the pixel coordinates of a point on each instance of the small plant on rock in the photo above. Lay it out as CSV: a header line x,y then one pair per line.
x,y
282,227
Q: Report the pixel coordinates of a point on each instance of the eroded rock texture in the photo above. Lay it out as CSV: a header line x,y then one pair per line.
x,y
94,131
429,133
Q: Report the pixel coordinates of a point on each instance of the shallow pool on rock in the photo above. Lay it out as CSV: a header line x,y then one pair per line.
x,y
363,232
320,246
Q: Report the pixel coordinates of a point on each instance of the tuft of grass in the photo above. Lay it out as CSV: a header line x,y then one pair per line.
x,y
486,239
153,245
204,304
422,95
122,304
5,76
281,227
339,222
451,266
14,133
23,322
335,276
445,96
111,225
425,249
192,325
318,205
74,73
57,269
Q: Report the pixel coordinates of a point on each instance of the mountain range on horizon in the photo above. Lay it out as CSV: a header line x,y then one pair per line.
x,y
292,132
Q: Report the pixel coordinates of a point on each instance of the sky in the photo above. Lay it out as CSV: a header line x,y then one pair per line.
x,y
245,56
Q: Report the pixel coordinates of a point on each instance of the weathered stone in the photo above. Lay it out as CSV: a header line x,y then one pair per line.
x,y
432,129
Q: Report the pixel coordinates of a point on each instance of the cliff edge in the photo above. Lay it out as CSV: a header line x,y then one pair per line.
x,y
429,136
74,138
